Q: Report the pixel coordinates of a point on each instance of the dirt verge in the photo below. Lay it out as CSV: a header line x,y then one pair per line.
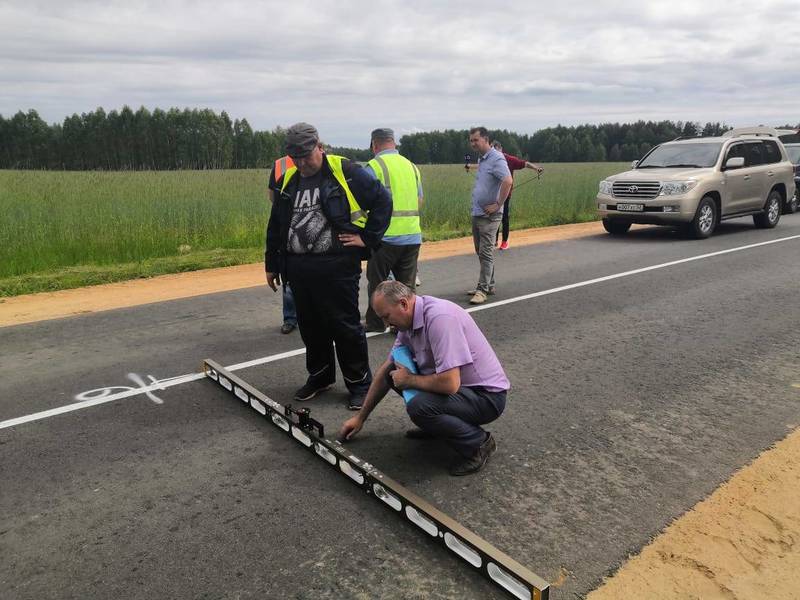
x,y
53,305
741,542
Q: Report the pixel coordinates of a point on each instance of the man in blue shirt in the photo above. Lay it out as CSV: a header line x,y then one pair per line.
x,y
492,186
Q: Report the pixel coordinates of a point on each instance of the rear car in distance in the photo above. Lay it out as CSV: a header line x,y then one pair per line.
x,y
793,150
694,183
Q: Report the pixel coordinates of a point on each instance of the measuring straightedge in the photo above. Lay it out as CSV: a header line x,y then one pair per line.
x,y
497,567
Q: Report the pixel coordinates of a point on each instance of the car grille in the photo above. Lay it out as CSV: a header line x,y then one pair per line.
x,y
636,189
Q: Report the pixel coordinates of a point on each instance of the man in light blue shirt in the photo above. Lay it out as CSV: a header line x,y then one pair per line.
x,y
492,186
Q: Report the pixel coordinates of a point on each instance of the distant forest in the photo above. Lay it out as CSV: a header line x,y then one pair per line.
x,y
202,139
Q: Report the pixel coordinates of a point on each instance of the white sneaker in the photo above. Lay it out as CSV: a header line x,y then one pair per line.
x,y
478,298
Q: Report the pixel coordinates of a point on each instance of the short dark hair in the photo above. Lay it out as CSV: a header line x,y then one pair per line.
x,y
482,131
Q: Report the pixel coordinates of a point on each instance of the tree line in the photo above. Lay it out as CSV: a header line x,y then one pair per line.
x,y
582,143
202,139
141,140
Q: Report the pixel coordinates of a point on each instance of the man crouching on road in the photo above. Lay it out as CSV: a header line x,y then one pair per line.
x,y
460,384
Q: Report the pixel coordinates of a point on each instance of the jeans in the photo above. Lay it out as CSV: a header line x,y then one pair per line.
x,y
289,310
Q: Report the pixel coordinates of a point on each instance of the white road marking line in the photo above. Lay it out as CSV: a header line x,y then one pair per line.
x,y
181,379
572,286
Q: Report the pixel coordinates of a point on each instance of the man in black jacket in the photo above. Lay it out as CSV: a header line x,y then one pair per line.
x,y
330,212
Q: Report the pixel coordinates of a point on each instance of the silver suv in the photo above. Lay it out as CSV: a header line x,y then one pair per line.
x,y
696,182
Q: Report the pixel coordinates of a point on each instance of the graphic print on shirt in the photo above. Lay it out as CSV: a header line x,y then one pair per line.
x,y
309,231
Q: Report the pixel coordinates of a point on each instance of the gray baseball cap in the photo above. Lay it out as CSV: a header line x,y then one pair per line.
x,y
301,139
382,134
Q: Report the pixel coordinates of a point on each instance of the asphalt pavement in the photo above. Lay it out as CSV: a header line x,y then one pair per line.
x,y
633,398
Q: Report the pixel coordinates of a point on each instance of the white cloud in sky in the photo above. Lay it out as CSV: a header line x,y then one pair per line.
x,y
350,66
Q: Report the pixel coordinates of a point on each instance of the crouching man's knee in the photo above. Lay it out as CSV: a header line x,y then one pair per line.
x,y
423,405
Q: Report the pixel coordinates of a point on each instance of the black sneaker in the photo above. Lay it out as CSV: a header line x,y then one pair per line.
x,y
288,328
355,401
477,461
309,390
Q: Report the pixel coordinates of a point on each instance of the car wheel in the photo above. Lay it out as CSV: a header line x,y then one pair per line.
x,y
791,206
705,219
772,212
616,227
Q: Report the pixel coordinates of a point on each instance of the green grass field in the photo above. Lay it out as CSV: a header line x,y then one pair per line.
x,y
67,229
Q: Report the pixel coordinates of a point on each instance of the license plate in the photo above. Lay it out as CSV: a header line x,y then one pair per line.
x,y
631,207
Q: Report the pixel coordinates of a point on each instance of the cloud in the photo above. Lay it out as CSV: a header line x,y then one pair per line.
x,y
349,65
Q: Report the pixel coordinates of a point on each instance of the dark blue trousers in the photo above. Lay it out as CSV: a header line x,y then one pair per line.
x,y
457,418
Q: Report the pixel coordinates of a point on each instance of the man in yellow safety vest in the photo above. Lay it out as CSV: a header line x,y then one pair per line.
x,y
399,251
328,215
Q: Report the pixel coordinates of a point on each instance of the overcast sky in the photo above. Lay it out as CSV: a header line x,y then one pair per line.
x,y
349,66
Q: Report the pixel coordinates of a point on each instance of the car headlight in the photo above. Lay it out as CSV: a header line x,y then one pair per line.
x,y
605,187
676,188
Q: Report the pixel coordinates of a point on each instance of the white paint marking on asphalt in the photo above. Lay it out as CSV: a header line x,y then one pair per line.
x,y
103,397
181,379
104,392
140,382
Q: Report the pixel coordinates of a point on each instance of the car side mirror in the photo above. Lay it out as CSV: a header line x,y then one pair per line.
x,y
634,163
737,162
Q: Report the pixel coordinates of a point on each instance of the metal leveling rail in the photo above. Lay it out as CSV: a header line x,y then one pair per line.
x,y
497,567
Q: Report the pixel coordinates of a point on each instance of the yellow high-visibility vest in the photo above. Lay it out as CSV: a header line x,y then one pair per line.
x,y
358,217
401,177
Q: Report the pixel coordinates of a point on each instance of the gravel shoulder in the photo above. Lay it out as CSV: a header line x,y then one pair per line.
x,y
30,308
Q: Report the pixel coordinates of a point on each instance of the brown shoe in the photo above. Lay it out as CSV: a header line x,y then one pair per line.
x,y
489,293
477,461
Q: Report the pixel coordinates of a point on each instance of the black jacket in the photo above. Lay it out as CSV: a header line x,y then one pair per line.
x,y
368,192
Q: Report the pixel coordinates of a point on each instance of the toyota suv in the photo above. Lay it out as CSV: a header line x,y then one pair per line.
x,y
694,183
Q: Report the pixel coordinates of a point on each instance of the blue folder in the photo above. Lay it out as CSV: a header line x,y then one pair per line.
x,y
402,356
